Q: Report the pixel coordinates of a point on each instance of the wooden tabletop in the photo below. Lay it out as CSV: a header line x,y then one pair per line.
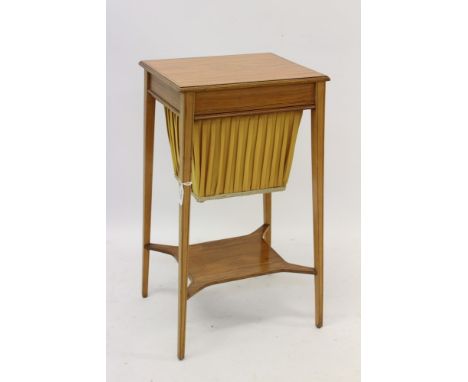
x,y
234,70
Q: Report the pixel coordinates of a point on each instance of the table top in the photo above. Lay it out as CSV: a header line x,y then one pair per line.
x,y
234,70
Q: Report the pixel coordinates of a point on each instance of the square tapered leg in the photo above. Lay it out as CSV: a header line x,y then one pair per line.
x,y
149,111
317,189
185,166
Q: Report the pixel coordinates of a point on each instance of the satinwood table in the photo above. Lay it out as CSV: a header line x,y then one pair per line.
x,y
227,114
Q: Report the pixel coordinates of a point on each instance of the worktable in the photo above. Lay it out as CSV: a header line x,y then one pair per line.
x,y
232,123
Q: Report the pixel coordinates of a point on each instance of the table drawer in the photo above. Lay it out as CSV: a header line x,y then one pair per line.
x,y
251,99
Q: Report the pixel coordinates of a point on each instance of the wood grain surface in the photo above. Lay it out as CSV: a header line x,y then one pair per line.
x,y
231,259
199,72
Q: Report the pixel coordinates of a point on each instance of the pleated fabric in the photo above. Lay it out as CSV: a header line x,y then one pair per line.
x,y
237,155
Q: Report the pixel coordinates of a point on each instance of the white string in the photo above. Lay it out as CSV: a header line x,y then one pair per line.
x,y
182,190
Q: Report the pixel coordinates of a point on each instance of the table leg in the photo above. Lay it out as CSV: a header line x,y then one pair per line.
x,y
149,111
185,169
267,216
318,118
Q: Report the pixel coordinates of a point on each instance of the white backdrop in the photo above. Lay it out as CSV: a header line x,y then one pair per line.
x,y
265,321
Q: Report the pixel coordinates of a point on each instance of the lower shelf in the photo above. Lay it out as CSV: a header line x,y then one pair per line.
x,y
231,259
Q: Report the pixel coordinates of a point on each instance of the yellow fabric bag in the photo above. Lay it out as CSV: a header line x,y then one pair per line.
x,y
238,155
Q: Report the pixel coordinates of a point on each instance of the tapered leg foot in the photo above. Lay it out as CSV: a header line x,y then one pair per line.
x,y
145,274
181,354
318,300
182,319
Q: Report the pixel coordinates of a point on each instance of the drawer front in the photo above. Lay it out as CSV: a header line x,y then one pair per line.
x,y
261,98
